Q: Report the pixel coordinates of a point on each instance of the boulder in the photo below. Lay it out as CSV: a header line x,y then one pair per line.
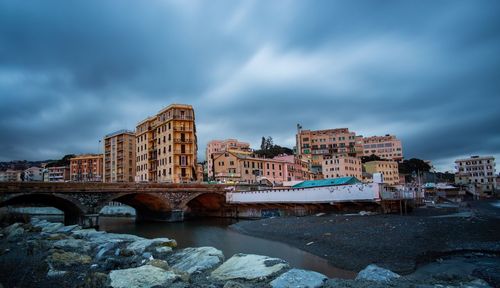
x,y
71,244
193,260
68,229
105,248
377,274
160,264
163,250
141,277
14,232
86,233
51,227
7,230
249,267
297,278
139,246
67,259
55,273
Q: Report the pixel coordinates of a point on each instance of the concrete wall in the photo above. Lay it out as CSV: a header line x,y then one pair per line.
x,y
357,192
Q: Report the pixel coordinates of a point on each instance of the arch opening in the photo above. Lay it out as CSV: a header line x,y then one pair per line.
x,y
148,207
208,205
73,213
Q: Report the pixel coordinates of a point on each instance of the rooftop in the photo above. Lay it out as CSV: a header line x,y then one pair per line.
x,y
327,182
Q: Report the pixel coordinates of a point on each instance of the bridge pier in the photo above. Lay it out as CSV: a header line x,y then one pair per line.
x,y
171,216
89,221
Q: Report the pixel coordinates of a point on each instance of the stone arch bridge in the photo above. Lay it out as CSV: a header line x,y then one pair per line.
x,y
82,202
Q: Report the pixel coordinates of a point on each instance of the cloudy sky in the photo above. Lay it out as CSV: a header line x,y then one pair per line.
x,y
427,71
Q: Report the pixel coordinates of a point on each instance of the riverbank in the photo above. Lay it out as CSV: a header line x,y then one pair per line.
x,y
398,243
45,254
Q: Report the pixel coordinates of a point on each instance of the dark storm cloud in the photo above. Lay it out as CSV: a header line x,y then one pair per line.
x,y
427,71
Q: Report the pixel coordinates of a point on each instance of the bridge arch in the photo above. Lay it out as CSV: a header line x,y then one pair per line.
x,y
205,204
148,206
72,208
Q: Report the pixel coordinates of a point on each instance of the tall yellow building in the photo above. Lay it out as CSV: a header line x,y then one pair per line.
x,y
119,156
167,146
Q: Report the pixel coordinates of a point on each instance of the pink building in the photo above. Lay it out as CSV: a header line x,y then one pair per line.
x,y
386,147
296,169
218,146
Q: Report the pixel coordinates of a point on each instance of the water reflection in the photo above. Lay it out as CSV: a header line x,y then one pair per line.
x,y
214,232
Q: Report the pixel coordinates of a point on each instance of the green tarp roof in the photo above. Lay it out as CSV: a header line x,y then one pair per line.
x,y
327,182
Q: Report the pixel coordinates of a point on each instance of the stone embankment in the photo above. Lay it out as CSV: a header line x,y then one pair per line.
x,y
45,254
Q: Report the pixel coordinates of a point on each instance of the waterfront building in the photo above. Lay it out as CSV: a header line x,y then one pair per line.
x,y
167,146
386,147
119,156
314,145
336,166
33,174
58,174
218,146
235,167
10,175
388,169
477,173
296,169
87,168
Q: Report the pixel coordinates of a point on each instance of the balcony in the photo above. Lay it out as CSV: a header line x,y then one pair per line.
x,y
182,117
234,175
186,151
179,140
182,128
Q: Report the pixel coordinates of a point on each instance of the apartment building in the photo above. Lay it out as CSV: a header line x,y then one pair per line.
x,y
119,156
33,174
58,174
218,146
167,146
339,165
87,168
388,169
313,145
296,169
386,147
243,168
10,175
478,173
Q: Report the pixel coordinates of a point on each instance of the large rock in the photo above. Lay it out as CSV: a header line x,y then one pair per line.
x,y
249,267
139,246
192,260
68,229
51,227
297,278
374,273
61,259
142,277
71,244
14,231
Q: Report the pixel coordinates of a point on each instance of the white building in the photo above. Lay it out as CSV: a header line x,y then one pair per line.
x,y
10,175
477,173
33,174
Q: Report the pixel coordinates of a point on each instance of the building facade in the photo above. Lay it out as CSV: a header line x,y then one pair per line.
x,y
388,169
218,146
313,145
10,175
478,173
296,169
167,146
119,156
386,147
58,174
33,174
87,168
336,166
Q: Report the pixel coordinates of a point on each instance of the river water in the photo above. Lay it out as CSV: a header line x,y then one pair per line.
x,y
216,233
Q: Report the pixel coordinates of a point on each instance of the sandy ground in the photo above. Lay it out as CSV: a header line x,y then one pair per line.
x,y
398,243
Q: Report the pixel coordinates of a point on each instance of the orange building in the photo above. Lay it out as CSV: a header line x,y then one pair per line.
x,y
218,146
167,146
87,168
119,156
336,166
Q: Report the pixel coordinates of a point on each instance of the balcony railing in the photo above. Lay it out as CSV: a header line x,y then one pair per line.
x,y
186,151
182,128
179,140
